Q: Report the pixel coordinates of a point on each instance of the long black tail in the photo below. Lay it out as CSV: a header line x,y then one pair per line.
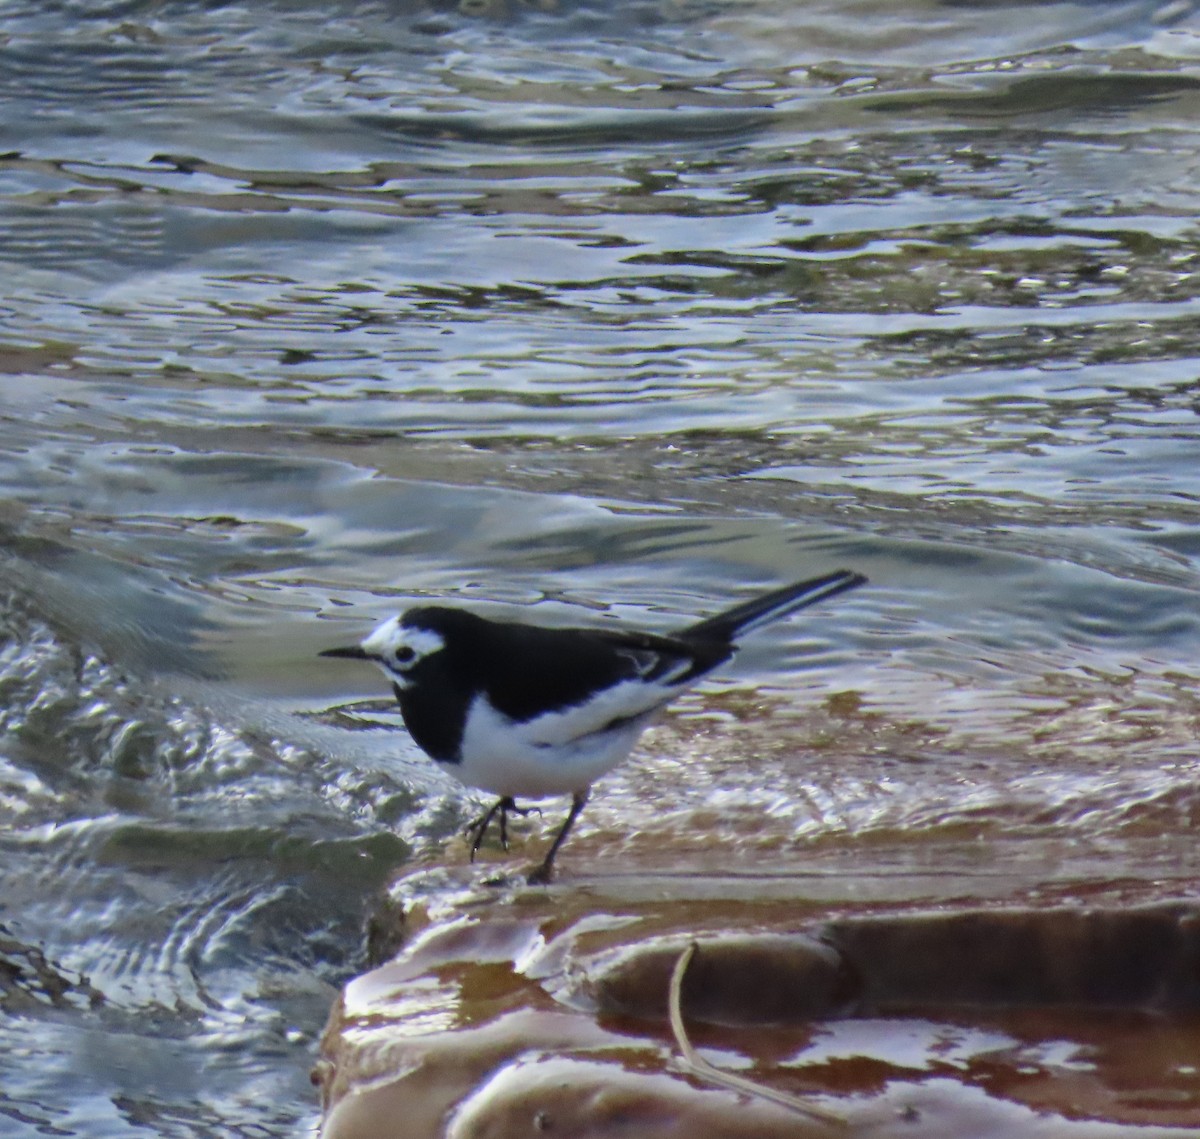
x,y
724,627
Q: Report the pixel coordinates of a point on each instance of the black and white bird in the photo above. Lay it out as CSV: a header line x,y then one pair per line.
x,y
528,711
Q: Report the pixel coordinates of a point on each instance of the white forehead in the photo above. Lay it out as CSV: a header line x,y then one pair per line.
x,y
390,635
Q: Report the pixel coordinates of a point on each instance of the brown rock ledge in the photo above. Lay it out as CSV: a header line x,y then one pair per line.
x,y
515,1012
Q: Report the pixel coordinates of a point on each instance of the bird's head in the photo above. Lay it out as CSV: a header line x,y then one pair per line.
x,y
397,646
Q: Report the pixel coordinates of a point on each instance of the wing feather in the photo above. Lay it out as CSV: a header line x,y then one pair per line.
x,y
573,682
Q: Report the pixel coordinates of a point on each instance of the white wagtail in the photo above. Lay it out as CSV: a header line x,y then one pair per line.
x,y
528,711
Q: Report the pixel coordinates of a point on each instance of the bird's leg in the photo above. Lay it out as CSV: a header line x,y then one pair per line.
x,y
478,829
522,811
542,874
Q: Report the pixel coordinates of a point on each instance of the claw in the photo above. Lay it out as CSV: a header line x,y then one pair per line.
x,y
541,874
478,829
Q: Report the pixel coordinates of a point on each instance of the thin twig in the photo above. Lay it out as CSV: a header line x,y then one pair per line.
x,y
702,1069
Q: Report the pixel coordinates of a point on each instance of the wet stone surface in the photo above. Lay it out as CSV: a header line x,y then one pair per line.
x,y
510,1011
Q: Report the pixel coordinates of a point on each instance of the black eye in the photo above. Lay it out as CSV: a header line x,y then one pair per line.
x,y
404,655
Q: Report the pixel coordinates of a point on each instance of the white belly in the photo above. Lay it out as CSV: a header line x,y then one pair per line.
x,y
532,760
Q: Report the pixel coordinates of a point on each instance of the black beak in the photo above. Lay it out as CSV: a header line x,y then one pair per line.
x,y
350,652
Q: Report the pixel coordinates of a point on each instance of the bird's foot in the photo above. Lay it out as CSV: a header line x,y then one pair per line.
x,y
540,875
502,807
512,808
478,828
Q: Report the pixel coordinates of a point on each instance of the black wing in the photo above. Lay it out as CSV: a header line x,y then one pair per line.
x,y
536,670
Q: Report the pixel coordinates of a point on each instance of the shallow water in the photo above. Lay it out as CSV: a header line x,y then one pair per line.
x,y
611,312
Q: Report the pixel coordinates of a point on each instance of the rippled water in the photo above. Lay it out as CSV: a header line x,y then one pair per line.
x,y
611,310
